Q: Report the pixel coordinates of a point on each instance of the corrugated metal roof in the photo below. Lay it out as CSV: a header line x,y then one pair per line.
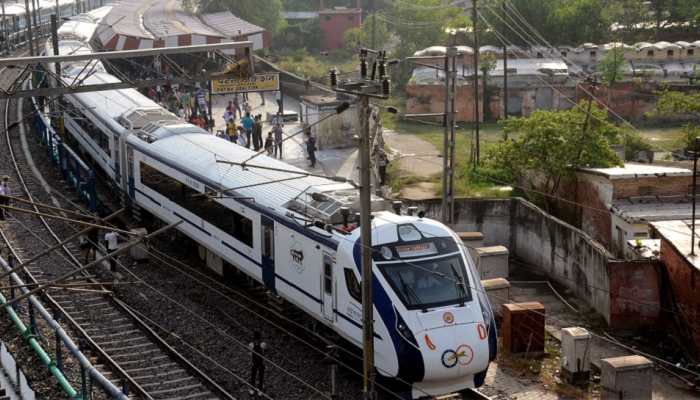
x,y
230,25
199,153
167,18
125,19
300,14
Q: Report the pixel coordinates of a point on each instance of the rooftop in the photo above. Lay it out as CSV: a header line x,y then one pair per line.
x,y
677,233
653,208
341,10
633,171
230,25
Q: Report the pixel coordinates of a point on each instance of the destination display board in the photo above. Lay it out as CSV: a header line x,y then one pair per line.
x,y
255,83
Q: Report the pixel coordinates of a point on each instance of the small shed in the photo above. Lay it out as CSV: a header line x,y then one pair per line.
x,y
335,132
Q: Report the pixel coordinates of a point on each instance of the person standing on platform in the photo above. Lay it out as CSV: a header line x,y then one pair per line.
x,y
247,122
269,144
257,133
278,99
277,130
257,373
311,147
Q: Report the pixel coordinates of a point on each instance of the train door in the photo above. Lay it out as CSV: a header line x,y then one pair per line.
x,y
328,288
268,252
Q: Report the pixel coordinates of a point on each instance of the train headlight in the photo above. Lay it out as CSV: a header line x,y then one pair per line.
x,y
386,253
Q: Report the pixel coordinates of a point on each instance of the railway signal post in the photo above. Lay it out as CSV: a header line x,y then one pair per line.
x,y
378,85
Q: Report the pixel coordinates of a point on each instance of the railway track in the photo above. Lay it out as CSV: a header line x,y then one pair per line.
x,y
128,351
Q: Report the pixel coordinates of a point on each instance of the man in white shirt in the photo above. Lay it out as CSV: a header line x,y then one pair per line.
x,y
112,240
4,192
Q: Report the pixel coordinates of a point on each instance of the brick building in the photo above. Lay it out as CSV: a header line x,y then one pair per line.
x,y
619,203
683,272
335,22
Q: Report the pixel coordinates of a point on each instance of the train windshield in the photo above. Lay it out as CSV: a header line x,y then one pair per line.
x,y
427,283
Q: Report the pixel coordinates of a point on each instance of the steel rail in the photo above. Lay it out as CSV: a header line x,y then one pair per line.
x,y
94,373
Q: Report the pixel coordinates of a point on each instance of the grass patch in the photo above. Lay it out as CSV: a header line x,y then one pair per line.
x,y
663,138
315,67
545,370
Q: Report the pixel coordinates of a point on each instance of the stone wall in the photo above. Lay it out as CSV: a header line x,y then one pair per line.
x,y
656,186
423,99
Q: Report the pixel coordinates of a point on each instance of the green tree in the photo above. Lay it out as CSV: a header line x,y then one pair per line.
x,y
612,65
266,13
581,21
549,146
362,36
681,104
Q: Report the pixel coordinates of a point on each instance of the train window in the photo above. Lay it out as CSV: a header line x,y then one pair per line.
x,y
691,52
353,285
327,275
94,133
206,208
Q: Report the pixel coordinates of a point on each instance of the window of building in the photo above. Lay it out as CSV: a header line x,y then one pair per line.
x,y
669,53
691,52
563,54
206,208
353,285
650,53
351,17
593,54
328,18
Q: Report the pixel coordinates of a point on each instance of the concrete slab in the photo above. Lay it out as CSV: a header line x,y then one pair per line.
x,y
628,377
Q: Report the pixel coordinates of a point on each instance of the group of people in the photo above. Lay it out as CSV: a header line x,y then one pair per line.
x,y
248,130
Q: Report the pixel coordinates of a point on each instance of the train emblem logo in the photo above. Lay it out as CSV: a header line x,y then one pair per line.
x,y
462,356
297,255
448,317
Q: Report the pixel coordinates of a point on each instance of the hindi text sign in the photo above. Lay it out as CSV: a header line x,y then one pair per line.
x,y
255,83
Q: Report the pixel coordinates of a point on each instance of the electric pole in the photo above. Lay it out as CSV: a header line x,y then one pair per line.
x,y
505,70
374,24
4,32
28,21
476,84
695,176
450,70
365,89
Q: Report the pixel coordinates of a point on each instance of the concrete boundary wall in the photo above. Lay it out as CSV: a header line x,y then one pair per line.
x,y
562,252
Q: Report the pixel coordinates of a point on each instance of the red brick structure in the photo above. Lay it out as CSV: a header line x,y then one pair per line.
x,y
335,22
523,328
683,271
424,99
618,203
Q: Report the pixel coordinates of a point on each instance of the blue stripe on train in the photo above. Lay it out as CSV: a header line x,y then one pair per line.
x,y
410,359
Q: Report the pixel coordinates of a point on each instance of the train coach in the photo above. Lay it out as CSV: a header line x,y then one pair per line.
x,y
296,235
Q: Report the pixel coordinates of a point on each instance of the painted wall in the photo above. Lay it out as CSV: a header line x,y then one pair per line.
x,y
335,24
423,99
685,282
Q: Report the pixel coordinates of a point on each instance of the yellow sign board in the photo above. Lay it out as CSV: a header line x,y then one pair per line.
x,y
255,83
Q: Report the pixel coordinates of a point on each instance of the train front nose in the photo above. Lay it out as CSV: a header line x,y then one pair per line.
x,y
452,355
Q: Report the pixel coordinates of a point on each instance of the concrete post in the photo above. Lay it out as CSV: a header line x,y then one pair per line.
x,y
498,292
523,328
575,350
492,262
628,377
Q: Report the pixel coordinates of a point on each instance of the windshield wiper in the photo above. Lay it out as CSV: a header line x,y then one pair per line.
x,y
460,285
408,291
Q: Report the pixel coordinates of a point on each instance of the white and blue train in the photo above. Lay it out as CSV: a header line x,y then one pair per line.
x,y
434,326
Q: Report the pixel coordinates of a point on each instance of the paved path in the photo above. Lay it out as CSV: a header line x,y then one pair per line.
x,y
330,162
417,158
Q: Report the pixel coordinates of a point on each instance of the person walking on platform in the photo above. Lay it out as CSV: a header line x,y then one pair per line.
x,y
4,192
257,133
269,144
257,373
112,240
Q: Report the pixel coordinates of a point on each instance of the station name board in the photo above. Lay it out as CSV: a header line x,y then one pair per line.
x,y
255,83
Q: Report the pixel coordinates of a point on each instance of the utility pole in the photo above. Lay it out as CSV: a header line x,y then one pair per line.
x,y
695,184
365,89
30,33
505,70
57,105
374,24
4,32
450,70
476,83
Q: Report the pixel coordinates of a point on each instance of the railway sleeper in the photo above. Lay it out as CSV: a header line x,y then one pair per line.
x,y
132,355
112,335
133,371
106,343
172,374
201,395
128,347
178,389
169,383
143,361
95,328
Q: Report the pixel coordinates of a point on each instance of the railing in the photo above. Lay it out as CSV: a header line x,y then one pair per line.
x,y
78,174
